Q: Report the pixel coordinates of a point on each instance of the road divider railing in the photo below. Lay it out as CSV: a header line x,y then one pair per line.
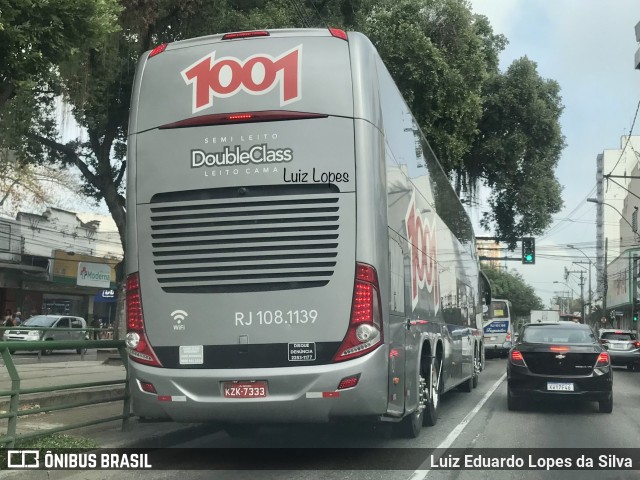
x,y
6,347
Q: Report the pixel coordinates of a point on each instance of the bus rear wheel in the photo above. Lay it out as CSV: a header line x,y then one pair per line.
x,y
411,425
430,416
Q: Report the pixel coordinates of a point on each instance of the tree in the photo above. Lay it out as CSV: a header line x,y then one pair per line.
x,y
512,287
517,150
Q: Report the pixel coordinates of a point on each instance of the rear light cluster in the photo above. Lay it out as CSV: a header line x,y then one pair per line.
x,y
603,360
137,342
241,117
516,358
636,344
365,327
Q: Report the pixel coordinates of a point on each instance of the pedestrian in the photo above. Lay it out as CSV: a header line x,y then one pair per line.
x,y
18,319
7,315
10,321
96,323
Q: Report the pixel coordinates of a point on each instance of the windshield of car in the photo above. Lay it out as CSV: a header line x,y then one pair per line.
x,y
40,321
552,334
618,336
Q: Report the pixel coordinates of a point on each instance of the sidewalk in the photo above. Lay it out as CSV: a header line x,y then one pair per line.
x,y
107,435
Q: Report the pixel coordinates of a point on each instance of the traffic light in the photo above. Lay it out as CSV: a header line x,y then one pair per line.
x,y
529,250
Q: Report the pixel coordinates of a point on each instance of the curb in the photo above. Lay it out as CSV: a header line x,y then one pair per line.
x,y
52,399
160,434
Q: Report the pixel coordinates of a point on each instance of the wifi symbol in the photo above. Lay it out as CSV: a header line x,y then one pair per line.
x,y
179,315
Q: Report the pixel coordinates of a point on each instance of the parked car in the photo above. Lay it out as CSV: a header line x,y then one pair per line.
x,y
559,360
48,327
623,347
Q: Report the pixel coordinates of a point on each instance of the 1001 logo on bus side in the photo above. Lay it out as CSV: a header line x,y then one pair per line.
x,y
424,254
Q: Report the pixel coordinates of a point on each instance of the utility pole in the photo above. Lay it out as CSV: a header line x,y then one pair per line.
x,y
582,294
605,282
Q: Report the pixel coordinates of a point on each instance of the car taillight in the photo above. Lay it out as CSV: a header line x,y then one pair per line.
x,y
516,358
364,333
136,340
508,337
636,344
603,360
559,349
338,33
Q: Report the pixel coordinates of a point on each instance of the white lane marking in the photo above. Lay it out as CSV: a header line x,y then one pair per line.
x,y
447,442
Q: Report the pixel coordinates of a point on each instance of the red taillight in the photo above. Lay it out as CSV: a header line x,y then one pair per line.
x,y
636,344
349,382
559,349
148,387
338,33
250,34
157,50
241,117
134,306
137,342
603,360
508,337
516,358
364,333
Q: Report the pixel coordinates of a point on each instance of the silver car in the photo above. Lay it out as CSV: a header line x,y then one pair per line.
x,y
48,327
623,347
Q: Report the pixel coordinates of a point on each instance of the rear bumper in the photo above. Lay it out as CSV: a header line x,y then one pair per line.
x,y
596,386
295,394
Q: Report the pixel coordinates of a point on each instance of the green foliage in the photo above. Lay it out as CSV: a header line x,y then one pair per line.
x,y
56,440
511,286
517,151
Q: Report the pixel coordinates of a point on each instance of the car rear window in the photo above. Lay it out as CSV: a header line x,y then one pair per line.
x,y
553,334
618,336
500,309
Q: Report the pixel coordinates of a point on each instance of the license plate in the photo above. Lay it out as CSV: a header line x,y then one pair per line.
x,y
560,387
244,389
616,346
489,338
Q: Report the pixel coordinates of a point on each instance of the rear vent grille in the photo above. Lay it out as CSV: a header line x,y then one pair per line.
x,y
246,239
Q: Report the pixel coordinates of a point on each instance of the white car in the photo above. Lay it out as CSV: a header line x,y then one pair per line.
x,y
48,327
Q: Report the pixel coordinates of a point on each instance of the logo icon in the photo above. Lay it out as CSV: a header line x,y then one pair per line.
x,y
23,458
421,234
560,356
179,316
257,75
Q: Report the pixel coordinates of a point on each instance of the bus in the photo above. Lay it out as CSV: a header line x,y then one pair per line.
x,y
498,329
295,253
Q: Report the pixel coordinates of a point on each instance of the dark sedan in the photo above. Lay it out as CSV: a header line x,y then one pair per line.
x,y
563,359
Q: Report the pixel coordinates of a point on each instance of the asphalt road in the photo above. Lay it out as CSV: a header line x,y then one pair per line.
x,y
489,425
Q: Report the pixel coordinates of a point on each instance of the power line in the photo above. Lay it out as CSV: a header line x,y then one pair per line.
x,y
628,138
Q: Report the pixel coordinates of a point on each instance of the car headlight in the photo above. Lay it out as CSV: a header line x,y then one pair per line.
x,y
33,333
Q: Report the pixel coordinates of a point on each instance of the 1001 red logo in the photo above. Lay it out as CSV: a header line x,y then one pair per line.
x,y
256,75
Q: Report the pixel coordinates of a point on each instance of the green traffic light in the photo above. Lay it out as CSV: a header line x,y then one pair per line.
x,y
528,258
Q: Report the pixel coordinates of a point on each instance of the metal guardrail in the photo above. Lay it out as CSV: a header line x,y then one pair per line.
x,y
14,412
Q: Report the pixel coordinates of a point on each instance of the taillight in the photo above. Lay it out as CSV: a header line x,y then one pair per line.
x,y
338,33
365,326
603,360
136,340
636,344
159,49
241,117
508,337
516,358
349,382
559,349
250,34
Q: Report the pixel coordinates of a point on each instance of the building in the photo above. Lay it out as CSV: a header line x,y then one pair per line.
x,y
490,253
59,263
613,197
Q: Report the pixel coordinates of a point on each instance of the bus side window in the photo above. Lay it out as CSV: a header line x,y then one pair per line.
x,y
396,268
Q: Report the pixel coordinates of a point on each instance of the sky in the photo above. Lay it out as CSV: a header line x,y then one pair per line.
x,y
588,47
